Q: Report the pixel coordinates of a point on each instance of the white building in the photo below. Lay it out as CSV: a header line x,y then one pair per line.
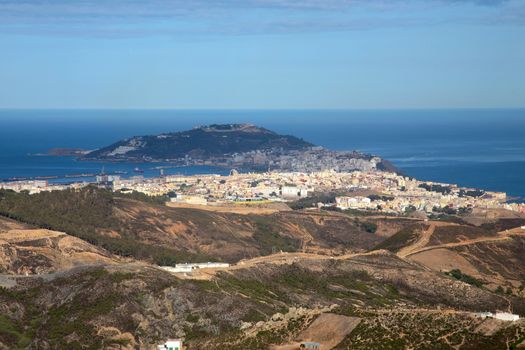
x,y
210,265
293,192
357,202
171,344
107,178
310,345
177,269
190,267
195,200
505,316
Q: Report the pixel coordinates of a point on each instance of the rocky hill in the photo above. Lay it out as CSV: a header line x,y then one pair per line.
x,y
166,235
132,306
237,146
201,142
373,282
27,251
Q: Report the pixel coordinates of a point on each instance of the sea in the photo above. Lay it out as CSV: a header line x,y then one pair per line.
x,y
469,147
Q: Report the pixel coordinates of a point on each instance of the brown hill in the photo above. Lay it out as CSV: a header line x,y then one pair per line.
x,y
36,251
387,272
145,230
134,305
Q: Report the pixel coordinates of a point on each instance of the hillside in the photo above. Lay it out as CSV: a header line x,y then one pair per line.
x,y
131,306
26,250
200,142
374,282
164,235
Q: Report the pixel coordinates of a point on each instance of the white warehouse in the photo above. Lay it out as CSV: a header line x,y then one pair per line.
x,y
189,267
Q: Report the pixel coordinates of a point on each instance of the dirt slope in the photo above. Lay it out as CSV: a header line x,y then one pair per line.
x,y
35,251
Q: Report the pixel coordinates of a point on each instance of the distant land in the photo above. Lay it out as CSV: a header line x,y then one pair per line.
x,y
64,152
243,146
200,142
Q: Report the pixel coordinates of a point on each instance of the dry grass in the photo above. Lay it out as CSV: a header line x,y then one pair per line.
x,y
234,209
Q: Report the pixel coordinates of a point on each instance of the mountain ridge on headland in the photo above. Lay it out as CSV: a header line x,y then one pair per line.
x,y
243,146
201,141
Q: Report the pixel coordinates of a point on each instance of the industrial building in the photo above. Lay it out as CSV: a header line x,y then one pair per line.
x,y
503,316
189,267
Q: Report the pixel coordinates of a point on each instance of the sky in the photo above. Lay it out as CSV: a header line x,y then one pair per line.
x,y
262,54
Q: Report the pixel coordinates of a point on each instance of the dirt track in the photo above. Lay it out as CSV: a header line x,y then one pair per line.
x,y
276,259
419,248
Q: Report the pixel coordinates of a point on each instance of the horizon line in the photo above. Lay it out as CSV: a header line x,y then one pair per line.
x,y
260,109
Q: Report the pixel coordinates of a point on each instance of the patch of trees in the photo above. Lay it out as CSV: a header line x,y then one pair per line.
x,y
471,193
410,209
436,188
139,196
463,277
332,208
312,201
445,210
452,211
369,227
376,197
503,224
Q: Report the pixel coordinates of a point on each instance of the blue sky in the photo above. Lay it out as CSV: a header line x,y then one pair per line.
x,y
262,54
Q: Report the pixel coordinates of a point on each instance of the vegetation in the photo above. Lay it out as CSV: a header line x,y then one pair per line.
x,y
312,201
463,277
375,197
369,227
237,340
399,240
205,142
446,210
351,286
436,188
66,312
471,193
12,333
406,330
359,212
269,240
139,196
86,214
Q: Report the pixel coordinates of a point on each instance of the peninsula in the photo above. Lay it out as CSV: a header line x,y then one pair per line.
x,y
241,146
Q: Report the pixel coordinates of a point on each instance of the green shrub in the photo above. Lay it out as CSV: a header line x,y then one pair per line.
x,y
460,276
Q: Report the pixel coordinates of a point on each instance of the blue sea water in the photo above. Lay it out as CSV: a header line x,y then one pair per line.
x,y
475,148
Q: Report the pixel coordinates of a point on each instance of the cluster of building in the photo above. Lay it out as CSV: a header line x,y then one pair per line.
x,y
210,189
36,186
370,190
397,194
311,159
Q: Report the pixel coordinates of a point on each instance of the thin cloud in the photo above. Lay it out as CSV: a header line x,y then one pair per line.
x,y
129,18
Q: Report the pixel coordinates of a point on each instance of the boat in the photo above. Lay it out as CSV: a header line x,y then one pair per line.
x,y
138,170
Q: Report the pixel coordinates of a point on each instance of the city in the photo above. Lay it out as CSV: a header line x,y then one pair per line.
x,y
376,191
